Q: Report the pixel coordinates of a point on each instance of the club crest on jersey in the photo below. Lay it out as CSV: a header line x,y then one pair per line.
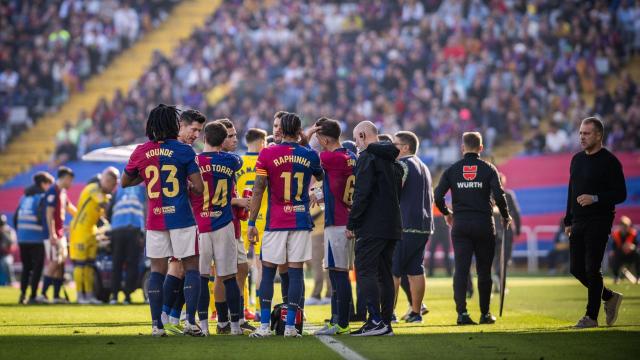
x,y
470,172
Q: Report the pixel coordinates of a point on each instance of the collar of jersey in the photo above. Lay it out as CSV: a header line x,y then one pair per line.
x,y
472,155
251,153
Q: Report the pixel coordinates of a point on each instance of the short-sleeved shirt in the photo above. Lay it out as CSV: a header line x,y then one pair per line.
x,y
91,206
288,168
56,198
165,167
337,185
212,209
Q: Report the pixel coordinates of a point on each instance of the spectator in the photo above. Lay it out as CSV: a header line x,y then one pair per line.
x,y
624,248
556,139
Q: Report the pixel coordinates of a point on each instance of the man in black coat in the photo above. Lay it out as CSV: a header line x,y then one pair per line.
x,y
375,222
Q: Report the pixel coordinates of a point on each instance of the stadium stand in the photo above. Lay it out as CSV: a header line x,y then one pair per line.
x,y
436,69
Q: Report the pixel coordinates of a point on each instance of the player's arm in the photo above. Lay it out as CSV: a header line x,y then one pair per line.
x,y
71,209
51,224
259,187
499,196
127,180
438,197
196,183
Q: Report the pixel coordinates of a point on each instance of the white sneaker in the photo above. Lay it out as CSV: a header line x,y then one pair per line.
x,y
193,330
41,300
83,300
156,332
611,308
312,301
292,333
93,301
585,323
114,302
325,301
261,333
60,301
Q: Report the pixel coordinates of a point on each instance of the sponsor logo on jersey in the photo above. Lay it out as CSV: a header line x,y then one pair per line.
x,y
164,210
210,214
470,172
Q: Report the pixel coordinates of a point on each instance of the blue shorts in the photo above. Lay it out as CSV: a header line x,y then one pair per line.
x,y
409,254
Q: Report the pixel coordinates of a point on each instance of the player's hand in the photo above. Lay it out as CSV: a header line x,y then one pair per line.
x,y
567,230
53,240
350,234
312,130
252,234
585,200
507,221
313,200
449,220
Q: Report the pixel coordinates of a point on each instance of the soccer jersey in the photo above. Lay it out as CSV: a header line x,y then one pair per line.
x,y
165,167
289,168
90,207
212,209
57,199
246,177
337,185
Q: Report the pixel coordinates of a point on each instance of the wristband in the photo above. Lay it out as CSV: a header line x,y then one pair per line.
x,y
251,223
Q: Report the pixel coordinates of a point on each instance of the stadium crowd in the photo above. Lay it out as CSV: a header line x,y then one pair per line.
x,y
49,48
435,69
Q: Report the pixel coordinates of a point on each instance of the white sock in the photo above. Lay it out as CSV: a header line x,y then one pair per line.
x,y
174,321
204,325
264,326
164,318
235,326
289,327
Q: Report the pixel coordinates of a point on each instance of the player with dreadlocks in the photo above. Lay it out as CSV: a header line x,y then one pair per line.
x,y
165,164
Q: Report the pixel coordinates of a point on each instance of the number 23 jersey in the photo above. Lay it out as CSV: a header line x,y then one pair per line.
x,y
165,167
289,168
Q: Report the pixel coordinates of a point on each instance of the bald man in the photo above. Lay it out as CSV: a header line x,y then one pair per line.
x,y
375,224
83,246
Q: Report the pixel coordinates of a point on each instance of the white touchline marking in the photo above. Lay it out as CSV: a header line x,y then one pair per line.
x,y
338,347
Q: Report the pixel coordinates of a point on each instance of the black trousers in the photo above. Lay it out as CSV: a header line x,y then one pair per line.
x,y
440,237
32,256
473,237
373,259
587,244
125,245
619,258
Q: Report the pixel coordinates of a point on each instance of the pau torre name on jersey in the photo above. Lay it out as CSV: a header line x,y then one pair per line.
x,y
159,152
292,159
216,168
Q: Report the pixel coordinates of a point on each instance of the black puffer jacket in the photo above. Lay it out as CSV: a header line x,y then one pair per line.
x,y
376,198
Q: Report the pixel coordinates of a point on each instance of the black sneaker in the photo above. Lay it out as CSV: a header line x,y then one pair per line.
x,y
21,299
226,330
371,328
394,318
487,319
465,319
247,328
389,331
414,318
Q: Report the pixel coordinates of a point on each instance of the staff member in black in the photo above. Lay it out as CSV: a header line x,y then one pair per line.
x,y
596,185
472,182
376,224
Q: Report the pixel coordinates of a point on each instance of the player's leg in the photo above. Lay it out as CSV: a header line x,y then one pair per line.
x,y
206,257
173,282
299,250
273,255
184,242
50,267
283,271
78,254
397,269
27,257
58,279
242,274
484,243
89,269
225,255
463,254
415,276
158,249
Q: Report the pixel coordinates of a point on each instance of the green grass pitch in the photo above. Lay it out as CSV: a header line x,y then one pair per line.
x,y
539,313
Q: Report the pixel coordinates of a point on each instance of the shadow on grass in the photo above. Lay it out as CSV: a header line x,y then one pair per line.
x,y
510,344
